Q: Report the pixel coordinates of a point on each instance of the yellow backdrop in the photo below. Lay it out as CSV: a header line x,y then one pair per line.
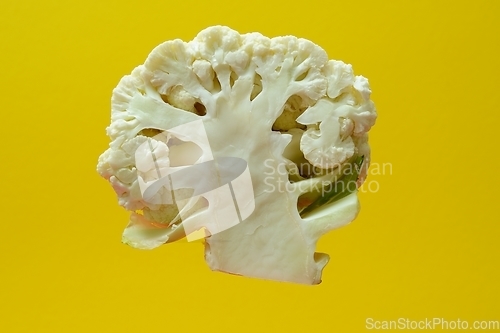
x,y
424,246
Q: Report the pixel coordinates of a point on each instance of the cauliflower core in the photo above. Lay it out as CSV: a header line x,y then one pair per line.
x,y
298,119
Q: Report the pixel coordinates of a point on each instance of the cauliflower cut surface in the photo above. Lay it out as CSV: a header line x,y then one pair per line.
x,y
275,107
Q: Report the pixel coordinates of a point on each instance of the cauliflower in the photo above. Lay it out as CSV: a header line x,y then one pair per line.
x,y
256,144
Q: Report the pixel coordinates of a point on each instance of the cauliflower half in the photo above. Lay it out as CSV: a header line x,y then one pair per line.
x,y
269,122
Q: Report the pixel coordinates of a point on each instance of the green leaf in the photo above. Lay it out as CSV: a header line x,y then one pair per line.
x,y
345,185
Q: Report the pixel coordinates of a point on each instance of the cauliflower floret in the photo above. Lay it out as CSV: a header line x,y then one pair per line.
x,y
259,116
181,99
324,148
340,76
351,115
117,164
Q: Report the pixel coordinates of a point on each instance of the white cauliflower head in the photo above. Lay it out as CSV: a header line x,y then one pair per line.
x,y
271,124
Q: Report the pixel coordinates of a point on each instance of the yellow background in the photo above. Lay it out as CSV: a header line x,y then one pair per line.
x,y
424,245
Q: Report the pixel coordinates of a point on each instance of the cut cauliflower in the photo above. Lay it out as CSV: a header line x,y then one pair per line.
x,y
276,113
